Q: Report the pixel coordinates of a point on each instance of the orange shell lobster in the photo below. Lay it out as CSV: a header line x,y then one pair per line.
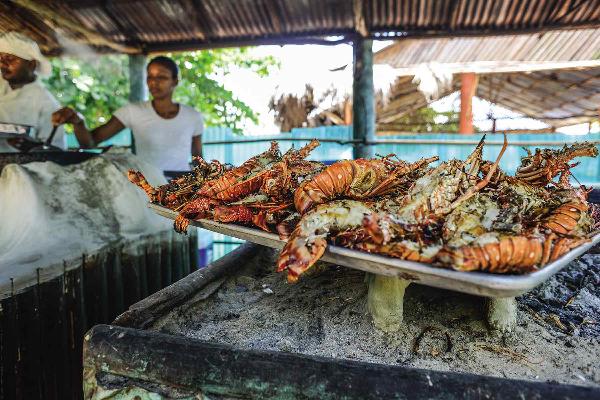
x,y
393,249
565,218
541,167
201,207
354,179
257,215
139,179
513,254
243,180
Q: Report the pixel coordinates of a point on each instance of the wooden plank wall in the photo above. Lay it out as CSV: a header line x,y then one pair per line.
x,y
42,327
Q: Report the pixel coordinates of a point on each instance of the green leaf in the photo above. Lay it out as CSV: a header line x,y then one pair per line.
x,y
98,89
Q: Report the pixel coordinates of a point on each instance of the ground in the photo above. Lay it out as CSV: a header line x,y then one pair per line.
x,y
556,338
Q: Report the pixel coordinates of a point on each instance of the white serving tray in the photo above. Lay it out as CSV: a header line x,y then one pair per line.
x,y
477,283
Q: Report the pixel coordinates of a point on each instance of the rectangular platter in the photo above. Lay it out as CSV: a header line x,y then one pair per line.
x,y
477,283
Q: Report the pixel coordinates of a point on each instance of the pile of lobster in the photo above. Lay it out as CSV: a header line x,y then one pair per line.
x,y
463,214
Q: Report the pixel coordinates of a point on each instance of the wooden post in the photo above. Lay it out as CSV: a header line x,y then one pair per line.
x,y
363,102
137,78
467,91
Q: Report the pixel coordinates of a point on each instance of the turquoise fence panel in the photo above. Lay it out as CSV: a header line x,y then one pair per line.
x,y
122,138
446,146
242,148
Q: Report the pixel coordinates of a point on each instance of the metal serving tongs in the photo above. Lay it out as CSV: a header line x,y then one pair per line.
x,y
47,144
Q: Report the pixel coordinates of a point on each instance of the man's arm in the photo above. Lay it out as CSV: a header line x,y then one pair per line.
x,y
86,138
197,146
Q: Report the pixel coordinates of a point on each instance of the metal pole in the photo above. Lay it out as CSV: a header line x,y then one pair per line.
x,y
137,84
137,78
363,104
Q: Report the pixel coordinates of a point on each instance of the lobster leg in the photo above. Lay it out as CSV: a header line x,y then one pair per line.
x,y
474,189
198,208
139,179
391,182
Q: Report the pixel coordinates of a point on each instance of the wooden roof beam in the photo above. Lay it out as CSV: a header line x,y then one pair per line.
x,y
190,45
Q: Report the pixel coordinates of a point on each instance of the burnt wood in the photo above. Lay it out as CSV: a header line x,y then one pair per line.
x,y
166,265
214,369
62,157
153,270
115,291
177,261
145,312
10,347
131,279
53,340
95,283
74,292
28,361
42,326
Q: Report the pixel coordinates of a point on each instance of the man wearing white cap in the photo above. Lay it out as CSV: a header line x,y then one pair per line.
x,y
23,100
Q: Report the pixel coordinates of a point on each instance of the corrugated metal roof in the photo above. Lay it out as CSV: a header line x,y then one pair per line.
x,y
554,46
557,97
159,25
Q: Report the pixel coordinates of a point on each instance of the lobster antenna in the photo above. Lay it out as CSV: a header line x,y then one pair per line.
x,y
576,180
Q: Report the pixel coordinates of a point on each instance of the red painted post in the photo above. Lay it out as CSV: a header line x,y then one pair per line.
x,y
467,91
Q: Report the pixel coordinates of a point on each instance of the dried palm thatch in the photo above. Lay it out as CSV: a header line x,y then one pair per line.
x,y
292,111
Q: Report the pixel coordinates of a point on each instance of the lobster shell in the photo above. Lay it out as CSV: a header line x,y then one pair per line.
x,y
565,218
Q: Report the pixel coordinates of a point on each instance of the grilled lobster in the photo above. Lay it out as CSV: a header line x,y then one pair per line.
x,y
355,179
511,254
540,168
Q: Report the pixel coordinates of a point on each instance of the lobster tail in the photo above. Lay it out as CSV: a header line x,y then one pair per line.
x,y
201,207
228,214
326,185
403,250
516,254
228,180
565,219
298,256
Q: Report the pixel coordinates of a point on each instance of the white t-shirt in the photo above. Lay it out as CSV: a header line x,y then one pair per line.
x,y
164,143
31,105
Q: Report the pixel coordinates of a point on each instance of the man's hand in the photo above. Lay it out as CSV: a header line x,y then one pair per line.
x,y
66,115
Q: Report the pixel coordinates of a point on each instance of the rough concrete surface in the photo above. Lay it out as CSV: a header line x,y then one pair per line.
x,y
556,338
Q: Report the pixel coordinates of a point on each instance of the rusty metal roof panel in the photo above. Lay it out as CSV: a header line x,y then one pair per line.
x,y
552,46
160,25
558,97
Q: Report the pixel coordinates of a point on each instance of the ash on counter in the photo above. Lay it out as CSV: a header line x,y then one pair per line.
x,y
325,314
570,301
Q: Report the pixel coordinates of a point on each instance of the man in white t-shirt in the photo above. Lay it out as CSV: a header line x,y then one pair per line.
x,y
23,100
165,132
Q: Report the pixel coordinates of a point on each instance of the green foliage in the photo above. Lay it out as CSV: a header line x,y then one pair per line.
x,y
199,88
98,88
427,120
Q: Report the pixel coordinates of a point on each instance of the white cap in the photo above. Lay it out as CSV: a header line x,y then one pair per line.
x,y
23,47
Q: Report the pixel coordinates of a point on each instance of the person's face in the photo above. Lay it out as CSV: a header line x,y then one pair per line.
x,y
160,81
16,70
